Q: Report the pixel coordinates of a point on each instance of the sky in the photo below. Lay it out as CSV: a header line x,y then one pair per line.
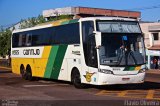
x,y
12,11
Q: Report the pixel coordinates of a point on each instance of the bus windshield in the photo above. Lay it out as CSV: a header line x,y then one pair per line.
x,y
122,49
118,27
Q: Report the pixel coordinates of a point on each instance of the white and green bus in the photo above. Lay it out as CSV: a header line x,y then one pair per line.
x,y
93,50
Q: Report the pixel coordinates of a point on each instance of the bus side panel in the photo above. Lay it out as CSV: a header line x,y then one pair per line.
x,y
41,63
55,61
71,59
17,62
73,63
15,66
38,65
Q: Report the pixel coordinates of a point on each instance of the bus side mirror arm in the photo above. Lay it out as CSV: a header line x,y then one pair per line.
x,y
98,39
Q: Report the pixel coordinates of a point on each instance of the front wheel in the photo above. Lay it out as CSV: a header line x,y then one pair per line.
x,y
76,79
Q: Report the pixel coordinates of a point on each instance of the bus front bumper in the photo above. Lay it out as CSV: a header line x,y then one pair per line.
x,y
110,79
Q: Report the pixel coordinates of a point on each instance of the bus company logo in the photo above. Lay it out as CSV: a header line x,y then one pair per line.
x,y
88,76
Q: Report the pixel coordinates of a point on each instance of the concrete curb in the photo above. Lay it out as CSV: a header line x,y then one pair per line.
x,y
8,68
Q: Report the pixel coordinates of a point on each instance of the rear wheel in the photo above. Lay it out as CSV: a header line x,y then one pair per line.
x,y
76,79
23,72
29,73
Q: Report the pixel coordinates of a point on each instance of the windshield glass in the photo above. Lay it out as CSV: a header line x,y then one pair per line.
x,y
118,27
122,49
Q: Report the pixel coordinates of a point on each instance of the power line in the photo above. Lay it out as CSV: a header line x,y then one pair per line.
x,y
146,8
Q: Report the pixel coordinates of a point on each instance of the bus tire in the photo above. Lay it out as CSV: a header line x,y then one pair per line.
x,y
29,73
23,72
76,79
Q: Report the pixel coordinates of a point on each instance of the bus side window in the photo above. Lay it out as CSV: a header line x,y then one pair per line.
x,y
15,40
20,40
23,41
28,40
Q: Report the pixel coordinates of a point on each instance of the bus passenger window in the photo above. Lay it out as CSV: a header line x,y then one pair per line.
x,y
29,40
23,40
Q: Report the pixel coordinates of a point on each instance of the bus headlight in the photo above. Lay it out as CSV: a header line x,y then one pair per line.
x,y
142,70
105,71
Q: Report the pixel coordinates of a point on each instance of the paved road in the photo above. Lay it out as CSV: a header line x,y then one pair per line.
x,y
14,90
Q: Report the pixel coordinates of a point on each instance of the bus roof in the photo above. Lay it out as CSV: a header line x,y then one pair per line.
x,y
107,18
69,21
49,24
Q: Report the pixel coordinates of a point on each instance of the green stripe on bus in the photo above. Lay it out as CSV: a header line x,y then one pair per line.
x,y
129,68
70,21
132,68
65,22
73,21
51,61
58,61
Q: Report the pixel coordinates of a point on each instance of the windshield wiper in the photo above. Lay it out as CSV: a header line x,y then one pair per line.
x,y
133,57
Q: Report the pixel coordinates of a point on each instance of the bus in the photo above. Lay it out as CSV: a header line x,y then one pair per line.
x,y
92,50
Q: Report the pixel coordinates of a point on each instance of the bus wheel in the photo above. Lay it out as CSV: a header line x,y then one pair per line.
x,y
23,72
29,73
76,79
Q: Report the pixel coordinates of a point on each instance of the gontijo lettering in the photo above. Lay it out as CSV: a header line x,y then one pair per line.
x,y
31,52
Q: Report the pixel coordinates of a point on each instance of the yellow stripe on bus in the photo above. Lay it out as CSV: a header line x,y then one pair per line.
x,y
56,23
41,63
138,68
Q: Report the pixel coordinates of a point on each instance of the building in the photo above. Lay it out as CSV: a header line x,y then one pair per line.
x,y
79,12
152,42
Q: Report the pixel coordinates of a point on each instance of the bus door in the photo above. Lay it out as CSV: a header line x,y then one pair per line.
x,y
90,53
92,60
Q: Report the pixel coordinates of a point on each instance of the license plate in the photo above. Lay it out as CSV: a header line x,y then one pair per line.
x,y
125,79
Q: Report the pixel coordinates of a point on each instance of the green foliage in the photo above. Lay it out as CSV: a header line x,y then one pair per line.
x,y
40,19
61,17
5,42
31,22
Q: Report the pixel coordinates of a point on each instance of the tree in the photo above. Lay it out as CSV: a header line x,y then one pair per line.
x,y
5,42
31,22
40,19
